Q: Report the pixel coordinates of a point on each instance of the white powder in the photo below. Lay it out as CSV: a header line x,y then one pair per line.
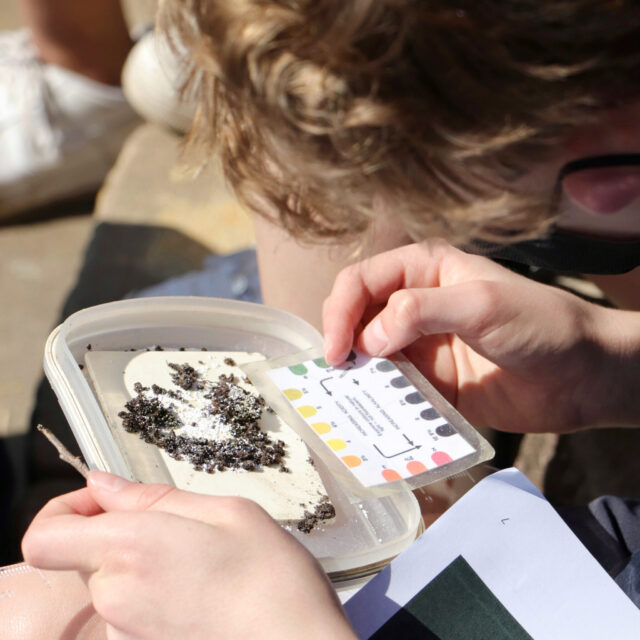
x,y
192,410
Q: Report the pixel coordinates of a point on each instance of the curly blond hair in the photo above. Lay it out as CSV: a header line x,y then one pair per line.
x,y
326,112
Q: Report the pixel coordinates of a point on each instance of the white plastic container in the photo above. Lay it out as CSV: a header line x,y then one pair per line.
x,y
366,534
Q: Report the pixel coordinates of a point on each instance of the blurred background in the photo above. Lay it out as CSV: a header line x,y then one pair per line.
x,y
149,223
41,254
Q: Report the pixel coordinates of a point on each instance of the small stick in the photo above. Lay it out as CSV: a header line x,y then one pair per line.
x,y
64,453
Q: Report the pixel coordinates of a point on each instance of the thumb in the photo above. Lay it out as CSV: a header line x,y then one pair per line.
x,y
470,309
114,493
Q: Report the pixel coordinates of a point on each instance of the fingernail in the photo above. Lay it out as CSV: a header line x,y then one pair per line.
x,y
107,481
374,338
328,348
330,355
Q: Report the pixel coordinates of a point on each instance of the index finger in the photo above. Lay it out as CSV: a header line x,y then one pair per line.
x,y
78,502
72,542
74,506
364,284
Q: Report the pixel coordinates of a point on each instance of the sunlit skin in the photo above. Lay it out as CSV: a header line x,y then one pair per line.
x,y
163,563
509,352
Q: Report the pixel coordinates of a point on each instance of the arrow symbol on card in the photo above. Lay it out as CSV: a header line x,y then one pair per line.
x,y
505,520
395,454
355,381
324,387
344,372
410,441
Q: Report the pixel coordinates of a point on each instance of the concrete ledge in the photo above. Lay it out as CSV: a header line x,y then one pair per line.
x,y
148,186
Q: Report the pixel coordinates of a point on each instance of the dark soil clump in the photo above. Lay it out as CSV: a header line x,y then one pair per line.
x,y
186,377
248,449
323,511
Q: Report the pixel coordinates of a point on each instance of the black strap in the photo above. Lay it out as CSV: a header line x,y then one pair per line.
x,y
599,162
569,253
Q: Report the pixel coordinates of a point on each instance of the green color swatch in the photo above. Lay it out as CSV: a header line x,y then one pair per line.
x,y
298,369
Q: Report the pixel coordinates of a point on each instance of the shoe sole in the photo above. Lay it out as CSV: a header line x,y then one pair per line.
x,y
78,175
148,87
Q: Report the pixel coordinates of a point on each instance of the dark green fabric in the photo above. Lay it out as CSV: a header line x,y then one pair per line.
x,y
456,605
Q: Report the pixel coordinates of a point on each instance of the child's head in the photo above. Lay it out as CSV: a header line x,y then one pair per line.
x,y
328,112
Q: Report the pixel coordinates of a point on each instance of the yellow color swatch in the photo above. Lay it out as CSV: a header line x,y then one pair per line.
x,y
321,427
293,394
307,411
336,445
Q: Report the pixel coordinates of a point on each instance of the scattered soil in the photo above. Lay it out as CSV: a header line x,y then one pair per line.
x,y
186,377
249,448
323,511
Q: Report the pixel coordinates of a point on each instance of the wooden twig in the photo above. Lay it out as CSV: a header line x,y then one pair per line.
x,y
64,453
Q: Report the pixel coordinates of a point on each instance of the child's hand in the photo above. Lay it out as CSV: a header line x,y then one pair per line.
x,y
163,563
510,353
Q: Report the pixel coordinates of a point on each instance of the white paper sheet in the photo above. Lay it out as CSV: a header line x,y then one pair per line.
x,y
523,552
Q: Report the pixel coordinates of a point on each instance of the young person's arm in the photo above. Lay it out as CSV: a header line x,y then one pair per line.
x,y
623,289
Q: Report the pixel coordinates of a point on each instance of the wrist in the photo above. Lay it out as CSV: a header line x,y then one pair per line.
x,y
614,399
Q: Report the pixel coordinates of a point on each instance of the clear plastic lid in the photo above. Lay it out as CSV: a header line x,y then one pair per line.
x,y
366,532
378,424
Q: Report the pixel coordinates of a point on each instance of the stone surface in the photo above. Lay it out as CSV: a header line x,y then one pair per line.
x,y
39,262
534,454
592,463
38,265
150,185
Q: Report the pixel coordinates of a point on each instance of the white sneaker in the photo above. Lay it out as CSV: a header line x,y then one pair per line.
x,y
60,132
152,80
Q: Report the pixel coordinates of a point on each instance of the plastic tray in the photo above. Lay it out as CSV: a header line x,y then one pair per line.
x,y
366,534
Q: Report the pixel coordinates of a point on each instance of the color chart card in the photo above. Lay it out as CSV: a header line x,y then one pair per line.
x,y
372,418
